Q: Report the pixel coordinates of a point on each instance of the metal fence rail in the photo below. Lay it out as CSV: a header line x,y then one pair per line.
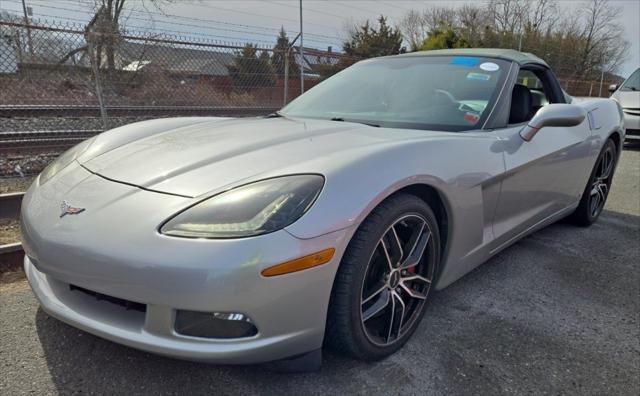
x,y
62,82
73,65
10,205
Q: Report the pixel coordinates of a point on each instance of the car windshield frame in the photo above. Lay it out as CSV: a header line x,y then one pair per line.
x,y
500,68
634,76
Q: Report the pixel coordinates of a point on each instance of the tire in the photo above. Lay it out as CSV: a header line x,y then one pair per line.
x,y
595,193
352,328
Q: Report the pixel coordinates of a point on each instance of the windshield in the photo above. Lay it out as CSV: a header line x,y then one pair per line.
x,y
632,83
448,93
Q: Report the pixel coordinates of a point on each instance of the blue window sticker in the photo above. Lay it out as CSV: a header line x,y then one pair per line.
x,y
478,76
464,61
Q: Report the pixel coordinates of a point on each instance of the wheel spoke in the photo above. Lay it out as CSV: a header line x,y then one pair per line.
x,y
413,293
606,166
386,253
398,244
402,304
595,202
393,314
381,303
375,293
603,189
418,248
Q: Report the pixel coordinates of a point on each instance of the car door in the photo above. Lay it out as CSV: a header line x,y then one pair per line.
x,y
543,176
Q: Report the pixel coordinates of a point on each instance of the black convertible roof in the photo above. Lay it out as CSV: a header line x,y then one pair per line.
x,y
522,58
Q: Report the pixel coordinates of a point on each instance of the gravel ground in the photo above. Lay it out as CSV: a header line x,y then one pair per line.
x,y
63,123
557,313
9,231
10,228
15,184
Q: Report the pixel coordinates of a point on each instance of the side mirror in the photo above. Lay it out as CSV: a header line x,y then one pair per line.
x,y
553,115
613,88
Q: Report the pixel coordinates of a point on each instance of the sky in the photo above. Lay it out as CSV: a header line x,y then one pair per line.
x,y
238,21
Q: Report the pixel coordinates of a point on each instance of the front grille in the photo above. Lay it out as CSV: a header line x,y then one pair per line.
x,y
128,305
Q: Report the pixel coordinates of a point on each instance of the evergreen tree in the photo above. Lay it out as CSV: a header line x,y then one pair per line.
x,y
365,42
443,37
280,53
250,70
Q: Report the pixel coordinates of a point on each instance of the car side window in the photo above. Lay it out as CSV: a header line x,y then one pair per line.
x,y
539,97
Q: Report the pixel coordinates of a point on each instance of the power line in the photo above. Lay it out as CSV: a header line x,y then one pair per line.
x,y
208,21
371,12
307,9
322,43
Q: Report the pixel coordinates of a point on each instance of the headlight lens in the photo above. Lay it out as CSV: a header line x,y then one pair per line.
x,y
64,160
254,209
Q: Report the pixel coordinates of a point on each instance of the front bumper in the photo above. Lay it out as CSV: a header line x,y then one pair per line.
x,y
632,123
169,274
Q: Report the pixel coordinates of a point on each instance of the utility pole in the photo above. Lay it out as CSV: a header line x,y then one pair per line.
x,y
286,70
601,77
26,22
302,61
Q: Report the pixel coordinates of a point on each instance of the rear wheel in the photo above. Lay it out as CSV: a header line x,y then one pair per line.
x,y
596,192
384,279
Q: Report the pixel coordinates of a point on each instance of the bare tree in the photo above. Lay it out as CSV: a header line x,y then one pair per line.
x,y
604,44
413,28
415,25
103,33
579,44
506,14
438,16
473,22
542,14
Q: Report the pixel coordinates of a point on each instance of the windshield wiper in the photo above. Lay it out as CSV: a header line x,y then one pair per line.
x,y
277,114
354,121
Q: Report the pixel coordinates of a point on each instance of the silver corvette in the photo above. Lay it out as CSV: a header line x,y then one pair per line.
x,y
327,223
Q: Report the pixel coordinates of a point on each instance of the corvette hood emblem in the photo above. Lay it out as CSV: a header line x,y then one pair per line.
x,y
66,209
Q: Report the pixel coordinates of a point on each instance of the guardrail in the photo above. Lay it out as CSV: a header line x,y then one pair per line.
x,y
11,257
10,254
10,205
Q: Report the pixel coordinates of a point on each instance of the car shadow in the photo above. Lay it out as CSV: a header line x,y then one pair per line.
x,y
536,316
632,145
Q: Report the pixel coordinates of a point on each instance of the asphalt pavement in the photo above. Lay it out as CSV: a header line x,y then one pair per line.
x,y
557,313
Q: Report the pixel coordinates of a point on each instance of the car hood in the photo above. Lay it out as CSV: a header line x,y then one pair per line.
x,y
628,99
198,158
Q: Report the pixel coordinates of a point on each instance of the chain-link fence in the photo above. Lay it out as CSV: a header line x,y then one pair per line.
x,y
82,68
61,82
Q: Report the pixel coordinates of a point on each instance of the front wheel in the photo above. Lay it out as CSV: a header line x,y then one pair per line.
x,y
384,279
597,189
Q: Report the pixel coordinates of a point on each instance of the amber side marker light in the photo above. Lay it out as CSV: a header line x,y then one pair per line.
x,y
299,264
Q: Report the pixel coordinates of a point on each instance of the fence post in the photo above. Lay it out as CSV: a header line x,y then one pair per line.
x,y
590,88
286,78
96,76
601,80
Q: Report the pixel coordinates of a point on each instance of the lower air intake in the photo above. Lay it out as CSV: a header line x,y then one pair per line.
x,y
214,324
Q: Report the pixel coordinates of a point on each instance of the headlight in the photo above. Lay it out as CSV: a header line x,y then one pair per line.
x,y
254,209
63,160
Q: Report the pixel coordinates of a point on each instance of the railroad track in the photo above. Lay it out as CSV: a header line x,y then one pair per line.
x,y
10,254
10,205
12,141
